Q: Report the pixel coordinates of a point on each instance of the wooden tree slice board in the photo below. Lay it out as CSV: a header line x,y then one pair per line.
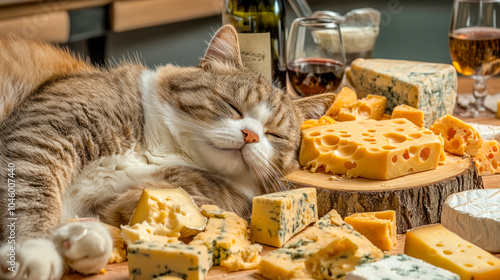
x,y
417,198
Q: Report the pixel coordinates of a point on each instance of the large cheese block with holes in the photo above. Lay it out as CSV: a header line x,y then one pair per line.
x,y
474,215
440,247
276,217
370,149
226,238
430,87
400,267
326,250
168,212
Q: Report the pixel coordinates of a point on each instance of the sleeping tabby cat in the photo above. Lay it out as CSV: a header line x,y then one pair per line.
x,y
76,140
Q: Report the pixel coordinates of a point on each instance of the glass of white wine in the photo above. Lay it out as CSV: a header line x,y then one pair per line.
x,y
475,48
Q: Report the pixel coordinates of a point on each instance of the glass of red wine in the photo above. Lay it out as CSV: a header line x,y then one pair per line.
x,y
316,64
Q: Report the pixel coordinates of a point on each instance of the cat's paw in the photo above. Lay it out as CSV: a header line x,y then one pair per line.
x,y
34,259
85,246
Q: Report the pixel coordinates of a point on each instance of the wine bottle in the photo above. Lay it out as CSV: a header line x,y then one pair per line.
x,y
261,26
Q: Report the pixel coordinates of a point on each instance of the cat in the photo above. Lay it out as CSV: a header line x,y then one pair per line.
x,y
83,141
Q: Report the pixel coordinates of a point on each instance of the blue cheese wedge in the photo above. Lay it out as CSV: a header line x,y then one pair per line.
x,y
400,267
327,250
226,237
430,87
276,217
150,259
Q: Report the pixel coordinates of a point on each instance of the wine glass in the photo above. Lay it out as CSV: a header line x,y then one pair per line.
x,y
475,48
315,56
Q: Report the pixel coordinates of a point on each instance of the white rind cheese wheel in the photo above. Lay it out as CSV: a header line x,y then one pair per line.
x,y
474,215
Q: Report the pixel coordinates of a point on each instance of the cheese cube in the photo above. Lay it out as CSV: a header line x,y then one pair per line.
x,y
147,260
440,247
459,138
378,227
278,216
399,267
226,238
145,232
397,147
345,98
312,123
430,87
414,115
327,250
487,159
370,107
172,212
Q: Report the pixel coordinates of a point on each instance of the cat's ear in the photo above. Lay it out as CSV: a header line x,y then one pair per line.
x,y
223,48
315,106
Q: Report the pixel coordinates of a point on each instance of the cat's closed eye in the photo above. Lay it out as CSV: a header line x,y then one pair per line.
x,y
236,110
275,135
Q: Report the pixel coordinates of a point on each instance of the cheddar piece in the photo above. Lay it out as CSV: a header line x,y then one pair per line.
x,y
414,115
276,217
498,109
172,212
430,87
488,158
312,123
440,247
459,137
378,227
226,238
345,98
147,260
327,250
370,107
397,146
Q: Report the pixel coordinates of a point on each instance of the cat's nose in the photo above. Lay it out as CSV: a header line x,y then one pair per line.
x,y
250,136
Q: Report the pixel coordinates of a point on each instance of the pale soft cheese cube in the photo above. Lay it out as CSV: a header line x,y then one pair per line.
x,y
430,87
276,217
150,259
399,267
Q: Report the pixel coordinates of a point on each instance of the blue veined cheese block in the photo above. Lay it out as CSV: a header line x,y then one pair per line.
x,y
400,267
430,87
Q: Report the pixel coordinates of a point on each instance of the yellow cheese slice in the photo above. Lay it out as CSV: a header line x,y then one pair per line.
x,y
488,158
371,149
459,138
146,232
438,246
378,227
226,238
276,217
171,211
414,115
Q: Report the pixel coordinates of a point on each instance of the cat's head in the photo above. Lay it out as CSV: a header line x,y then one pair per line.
x,y
232,120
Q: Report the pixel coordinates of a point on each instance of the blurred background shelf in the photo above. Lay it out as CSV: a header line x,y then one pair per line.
x,y
176,31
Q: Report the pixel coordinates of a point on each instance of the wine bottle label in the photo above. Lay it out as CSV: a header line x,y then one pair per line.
x,y
255,51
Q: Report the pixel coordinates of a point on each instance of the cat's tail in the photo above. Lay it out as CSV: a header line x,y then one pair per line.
x,y
25,65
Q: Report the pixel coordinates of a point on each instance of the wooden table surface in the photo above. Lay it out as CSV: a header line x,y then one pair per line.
x,y
120,271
